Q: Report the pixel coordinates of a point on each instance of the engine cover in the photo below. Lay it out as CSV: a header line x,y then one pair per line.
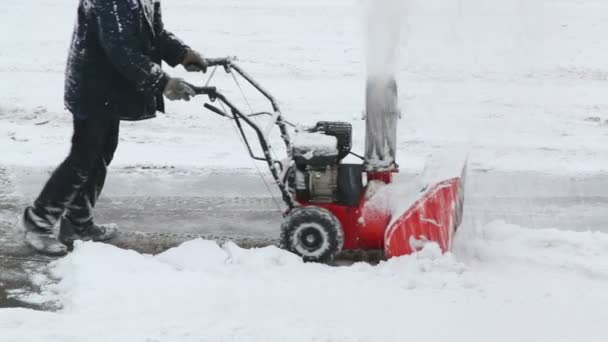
x,y
317,184
327,143
319,176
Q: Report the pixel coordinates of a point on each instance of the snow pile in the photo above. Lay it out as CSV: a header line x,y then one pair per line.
x,y
503,283
583,253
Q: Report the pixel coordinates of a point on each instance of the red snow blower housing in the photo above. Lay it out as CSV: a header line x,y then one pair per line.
x,y
332,205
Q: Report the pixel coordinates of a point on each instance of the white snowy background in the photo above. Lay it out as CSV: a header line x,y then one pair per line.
x,y
520,83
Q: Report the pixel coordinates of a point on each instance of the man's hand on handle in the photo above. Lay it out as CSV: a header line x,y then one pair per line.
x,y
178,89
194,62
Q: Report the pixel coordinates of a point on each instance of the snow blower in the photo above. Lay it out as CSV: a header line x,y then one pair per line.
x,y
332,205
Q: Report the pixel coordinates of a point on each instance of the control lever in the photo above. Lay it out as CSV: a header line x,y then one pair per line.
x,y
215,110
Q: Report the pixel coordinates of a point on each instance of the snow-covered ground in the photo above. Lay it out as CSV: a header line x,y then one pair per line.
x,y
503,283
521,84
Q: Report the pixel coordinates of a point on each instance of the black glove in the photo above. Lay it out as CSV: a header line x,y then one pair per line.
x,y
194,62
177,89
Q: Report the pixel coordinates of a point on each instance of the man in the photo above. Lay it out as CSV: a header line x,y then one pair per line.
x,y
113,73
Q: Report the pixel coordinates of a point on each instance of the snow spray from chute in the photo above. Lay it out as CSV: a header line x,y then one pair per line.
x,y
384,22
424,209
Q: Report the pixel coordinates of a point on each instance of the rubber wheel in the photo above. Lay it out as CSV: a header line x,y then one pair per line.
x,y
313,233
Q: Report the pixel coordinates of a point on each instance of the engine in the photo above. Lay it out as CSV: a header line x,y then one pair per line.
x,y
319,176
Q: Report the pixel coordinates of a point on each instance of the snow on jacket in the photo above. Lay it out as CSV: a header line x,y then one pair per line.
x,y
114,64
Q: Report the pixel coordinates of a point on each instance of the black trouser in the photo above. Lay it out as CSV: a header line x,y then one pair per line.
x,y
76,184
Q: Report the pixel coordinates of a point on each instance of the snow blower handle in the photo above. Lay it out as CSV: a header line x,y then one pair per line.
x,y
211,91
215,110
218,61
225,62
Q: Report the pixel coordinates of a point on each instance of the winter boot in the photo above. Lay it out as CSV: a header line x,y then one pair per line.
x,y
90,231
41,239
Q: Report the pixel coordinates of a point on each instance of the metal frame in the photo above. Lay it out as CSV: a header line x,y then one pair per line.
x,y
239,117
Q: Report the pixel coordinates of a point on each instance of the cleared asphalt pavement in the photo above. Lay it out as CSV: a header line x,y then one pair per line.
x,y
159,208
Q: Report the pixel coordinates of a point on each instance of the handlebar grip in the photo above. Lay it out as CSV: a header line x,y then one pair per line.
x,y
204,90
219,61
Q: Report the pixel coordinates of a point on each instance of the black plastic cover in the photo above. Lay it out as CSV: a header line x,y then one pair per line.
x,y
350,184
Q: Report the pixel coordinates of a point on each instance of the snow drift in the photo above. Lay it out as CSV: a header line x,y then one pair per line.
x,y
503,283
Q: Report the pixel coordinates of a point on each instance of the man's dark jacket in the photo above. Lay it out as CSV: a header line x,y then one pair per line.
x,y
114,64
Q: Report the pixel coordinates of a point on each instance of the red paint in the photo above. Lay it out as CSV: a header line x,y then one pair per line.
x,y
372,225
383,176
